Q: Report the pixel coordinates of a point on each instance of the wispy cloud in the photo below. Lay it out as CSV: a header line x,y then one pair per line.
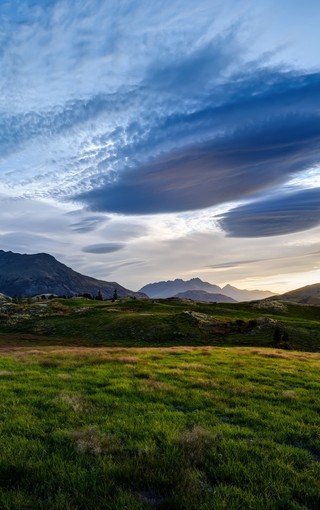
x,y
261,135
284,214
103,248
137,111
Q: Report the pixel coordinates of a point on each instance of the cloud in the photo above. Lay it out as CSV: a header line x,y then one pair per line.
x,y
233,264
87,224
145,108
118,230
103,248
183,72
23,242
154,110
263,133
281,215
100,271
36,217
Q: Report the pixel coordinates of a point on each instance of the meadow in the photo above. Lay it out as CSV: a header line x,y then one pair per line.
x,y
87,424
157,323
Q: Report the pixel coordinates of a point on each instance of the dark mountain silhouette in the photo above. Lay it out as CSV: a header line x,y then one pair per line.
x,y
29,275
202,295
171,288
309,295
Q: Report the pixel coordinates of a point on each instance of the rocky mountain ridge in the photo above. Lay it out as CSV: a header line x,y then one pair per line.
x,y
29,275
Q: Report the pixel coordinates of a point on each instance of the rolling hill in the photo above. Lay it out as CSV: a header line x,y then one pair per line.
x,y
308,295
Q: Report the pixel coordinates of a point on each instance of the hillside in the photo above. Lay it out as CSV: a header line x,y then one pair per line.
x,y
143,322
308,295
29,275
202,295
170,288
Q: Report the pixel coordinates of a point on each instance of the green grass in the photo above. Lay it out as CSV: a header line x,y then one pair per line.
x,y
169,428
155,418
157,323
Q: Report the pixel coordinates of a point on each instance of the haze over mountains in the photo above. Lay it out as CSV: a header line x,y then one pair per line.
x,y
308,295
29,275
172,288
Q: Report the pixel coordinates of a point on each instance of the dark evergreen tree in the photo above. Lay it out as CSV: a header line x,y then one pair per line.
x,y
277,335
285,337
285,340
99,296
86,295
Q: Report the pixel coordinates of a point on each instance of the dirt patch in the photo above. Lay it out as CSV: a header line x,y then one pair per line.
x,y
128,359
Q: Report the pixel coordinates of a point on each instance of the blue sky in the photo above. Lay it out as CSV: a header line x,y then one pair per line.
x,y
151,140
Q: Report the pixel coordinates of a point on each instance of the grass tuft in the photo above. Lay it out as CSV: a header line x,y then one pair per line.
x,y
75,402
92,441
289,395
195,444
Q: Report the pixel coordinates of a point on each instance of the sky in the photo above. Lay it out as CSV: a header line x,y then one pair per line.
x,y
144,141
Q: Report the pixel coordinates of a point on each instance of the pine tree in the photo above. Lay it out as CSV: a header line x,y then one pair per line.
x,y
99,296
277,335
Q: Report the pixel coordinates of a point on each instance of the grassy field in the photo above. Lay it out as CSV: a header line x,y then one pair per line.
x,y
169,428
158,323
164,404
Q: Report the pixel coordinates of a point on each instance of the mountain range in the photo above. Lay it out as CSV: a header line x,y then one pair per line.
x,y
171,288
29,275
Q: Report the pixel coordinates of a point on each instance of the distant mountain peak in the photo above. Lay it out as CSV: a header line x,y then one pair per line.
x,y
171,288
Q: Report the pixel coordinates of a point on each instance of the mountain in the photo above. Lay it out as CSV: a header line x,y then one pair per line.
x,y
245,295
309,295
171,288
29,275
202,295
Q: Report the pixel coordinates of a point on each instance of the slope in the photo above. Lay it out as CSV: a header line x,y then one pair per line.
x,y
28,275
